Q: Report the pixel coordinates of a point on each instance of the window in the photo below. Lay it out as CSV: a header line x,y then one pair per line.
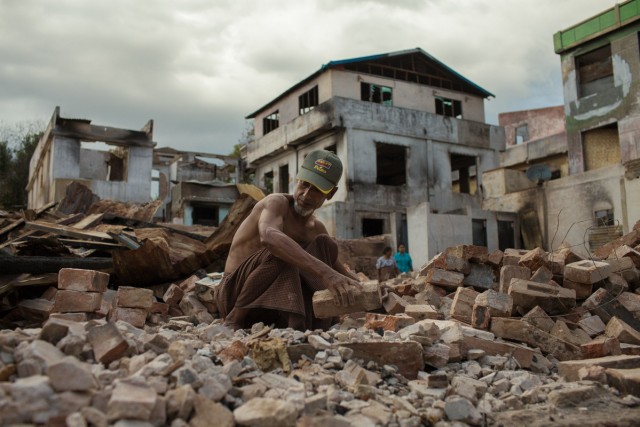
x,y
506,235
595,71
391,164
479,232
333,148
203,214
308,100
372,227
283,174
374,93
522,134
268,182
271,122
601,147
448,107
463,174
604,217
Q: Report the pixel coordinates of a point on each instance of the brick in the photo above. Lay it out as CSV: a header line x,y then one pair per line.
x,y
463,302
587,271
524,332
606,306
431,295
108,302
386,322
539,318
107,342
630,349
159,307
173,295
37,308
406,355
499,304
534,259
630,301
54,330
592,325
629,252
404,289
76,279
130,297
508,272
620,264
524,355
191,306
617,328
77,301
393,304
569,369
561,331
73,317
552,299
133,316
480,317
49,294
437,381
542,275
480,277
448,279
615,284
367,300
495,258
471,253
445,261
583,290
421,311
512,256
437,355
601,347
625,380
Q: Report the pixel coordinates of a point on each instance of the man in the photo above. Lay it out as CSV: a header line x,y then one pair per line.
x,y
282,253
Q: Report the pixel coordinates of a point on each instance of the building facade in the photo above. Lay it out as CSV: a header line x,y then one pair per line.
x,y
411,134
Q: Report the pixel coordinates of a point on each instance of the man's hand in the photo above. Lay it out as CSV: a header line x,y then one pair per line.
x,y
342,288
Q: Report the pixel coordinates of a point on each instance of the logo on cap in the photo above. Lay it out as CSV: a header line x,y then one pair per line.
x,y
321,165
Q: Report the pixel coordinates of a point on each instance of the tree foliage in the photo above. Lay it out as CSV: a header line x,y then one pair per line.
x,y
15,155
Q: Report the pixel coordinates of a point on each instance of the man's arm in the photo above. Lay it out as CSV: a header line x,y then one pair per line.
x,y
272,237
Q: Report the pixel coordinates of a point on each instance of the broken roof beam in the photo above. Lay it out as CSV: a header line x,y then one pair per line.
x,y
85,131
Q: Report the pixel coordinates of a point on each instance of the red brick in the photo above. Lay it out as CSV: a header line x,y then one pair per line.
x,y
601,347
107,342
159,307
38,308
583,290
367,300
445,261
561,331
189,284
625,380
75,279
629,252
552,299
50,293
587,271
542,275
508,272
77,301
534,259
133,316
450,279
616,328
539,318
130,297
512,256
472,253
174,295
108,302
386,322
421,311
499,304
393,304
495,258
463,302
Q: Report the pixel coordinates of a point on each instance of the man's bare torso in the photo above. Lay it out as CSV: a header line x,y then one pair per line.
x,y
247,239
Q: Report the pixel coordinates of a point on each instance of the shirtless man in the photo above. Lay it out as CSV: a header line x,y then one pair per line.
x,y
282,253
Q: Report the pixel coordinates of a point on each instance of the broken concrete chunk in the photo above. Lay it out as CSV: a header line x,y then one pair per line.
x,y
367,300
448,279
421,311
70,374
266,412
499,304
480,277
133,400
82,280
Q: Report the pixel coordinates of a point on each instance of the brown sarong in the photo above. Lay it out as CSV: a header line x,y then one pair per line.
x,y
269,286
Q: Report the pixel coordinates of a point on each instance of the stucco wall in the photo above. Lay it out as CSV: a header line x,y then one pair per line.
x,y
541,123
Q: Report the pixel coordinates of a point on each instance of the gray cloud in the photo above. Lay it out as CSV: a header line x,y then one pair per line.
x,y
197,67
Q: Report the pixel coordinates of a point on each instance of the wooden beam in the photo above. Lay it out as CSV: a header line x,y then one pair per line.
x,y
39,265
64,230
21,221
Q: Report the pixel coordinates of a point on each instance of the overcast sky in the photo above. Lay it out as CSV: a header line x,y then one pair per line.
x,y
198,67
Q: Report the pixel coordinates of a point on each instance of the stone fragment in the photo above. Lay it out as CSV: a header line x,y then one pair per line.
x,y
367,300
266,412
587,271
77,301
180,402
508,272
462,306
387,322
107,342
130,297
134,316
70,374
421,311
460,409
437,355
601,347
575,395
75,279
215,387
134,400
448,279
54,330
499,304
552,299
34,358
191,306
569,369
318,342
468,388
173,295
208,413
480,277
616,328
95,417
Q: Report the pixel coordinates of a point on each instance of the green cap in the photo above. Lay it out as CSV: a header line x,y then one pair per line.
x,y
321,168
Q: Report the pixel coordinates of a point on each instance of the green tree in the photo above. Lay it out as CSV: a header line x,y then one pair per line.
x,y
246,138
15,156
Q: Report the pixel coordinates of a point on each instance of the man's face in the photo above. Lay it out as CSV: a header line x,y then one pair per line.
x,y
401,248
307,198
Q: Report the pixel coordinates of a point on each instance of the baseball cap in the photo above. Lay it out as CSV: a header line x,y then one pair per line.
x,y
321,168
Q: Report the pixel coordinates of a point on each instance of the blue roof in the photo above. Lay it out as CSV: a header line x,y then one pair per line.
x,y
333,64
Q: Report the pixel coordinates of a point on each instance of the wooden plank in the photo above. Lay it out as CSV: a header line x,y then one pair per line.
x,y
38,265
61,221
90,244
88,221
67,231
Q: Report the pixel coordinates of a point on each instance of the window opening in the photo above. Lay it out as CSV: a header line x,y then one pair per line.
x,y
204,215
372,227
604,218
271,122
375,93
522,134
448,107
308,100
506,235
601,147
268,182
479,232
595,71
391,164
283,174
333,148
463,174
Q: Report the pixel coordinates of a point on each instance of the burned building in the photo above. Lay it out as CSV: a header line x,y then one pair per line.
x,y
114,163
599,197
411,134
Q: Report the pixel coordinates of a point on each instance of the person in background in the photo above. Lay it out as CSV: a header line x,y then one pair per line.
x,y
386,266
403,259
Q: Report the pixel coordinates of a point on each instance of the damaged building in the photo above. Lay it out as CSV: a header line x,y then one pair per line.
x,y
70,150
580,187
411,134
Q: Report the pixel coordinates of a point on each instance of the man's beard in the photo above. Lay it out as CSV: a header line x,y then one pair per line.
x,y
300,210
